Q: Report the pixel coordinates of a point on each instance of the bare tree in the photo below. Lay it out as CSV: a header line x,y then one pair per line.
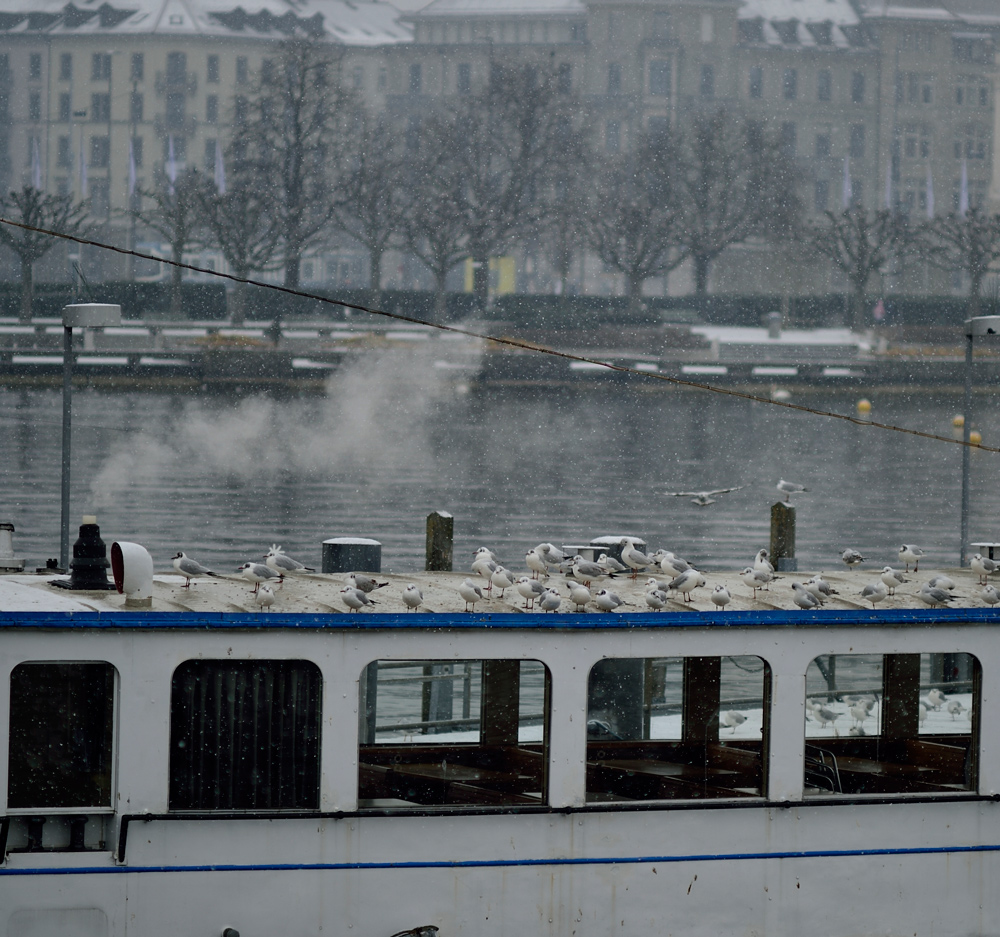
x,y
634,223
859,242
735,183
175,214
969,242
31,206
293,121
242,223
369,202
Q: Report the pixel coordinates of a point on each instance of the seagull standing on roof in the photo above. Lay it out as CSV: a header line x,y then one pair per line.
x,y
551,600
355,598
470,593
610,564
656,599
265,596
933,597
484,565
989,595
720,596
983,567
190,569
551,555
412,597
892,578
257,573
634,559
282,563
607,601
673,565
529,589
579,594
364,583
586,571
502,578
790,488
762,562
756,578
536,563
940,582
687,582
852,557
702,498
820,588
910,554
803,598
875,591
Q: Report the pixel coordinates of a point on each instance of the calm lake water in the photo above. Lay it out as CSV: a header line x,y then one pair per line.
x,y
225,477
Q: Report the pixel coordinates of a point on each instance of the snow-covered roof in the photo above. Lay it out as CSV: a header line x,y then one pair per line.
x,y
832,24
347,22
840,12
463,8
958,12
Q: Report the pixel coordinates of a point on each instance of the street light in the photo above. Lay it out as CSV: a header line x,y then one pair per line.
x,y
979,326
87,316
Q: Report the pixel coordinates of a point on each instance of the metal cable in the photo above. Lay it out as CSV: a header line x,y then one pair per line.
x,y
509,342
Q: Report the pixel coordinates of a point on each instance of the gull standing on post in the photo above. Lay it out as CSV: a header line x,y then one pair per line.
x,y
910,554
190,568
983,567
875,592
633,558
790,488
892,578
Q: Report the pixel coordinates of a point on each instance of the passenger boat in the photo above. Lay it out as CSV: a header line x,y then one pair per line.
x,y
217,771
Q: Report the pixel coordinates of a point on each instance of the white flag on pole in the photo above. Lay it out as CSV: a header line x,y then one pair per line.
x,y
847,193
36,164
171,164
963,191
930,194
220,170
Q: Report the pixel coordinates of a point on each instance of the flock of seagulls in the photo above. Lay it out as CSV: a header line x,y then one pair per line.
x,y
858,710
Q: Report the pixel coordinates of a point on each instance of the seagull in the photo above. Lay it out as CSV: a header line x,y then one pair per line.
x,y
922,714
820,588
733,720
790,488
579,594
265,596
687,582
936,697
355,598
412,597
488,552
852,558
551,555
955,708
257,573
941,582
656,599
282,563
529,589
610,564
803,598
762,562
551,600
633,558
673,565
653,584
983,567
910,554
892,578
932,596
859,713
856,730
364,583
823,715
720,596
875,591
607,601
756,578
536,563
990,595
471,593
702,498
484,565
190,568
502,578
586,571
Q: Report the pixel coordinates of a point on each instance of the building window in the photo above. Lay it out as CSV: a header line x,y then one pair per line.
x,y
65,107
35,66
916,719
790,84
176,68
821,195
788,139
463,78
706,86
416,78
212,109
564,78
612,136
35,106
175,109
916,143
100,66
212,70
453,733
100,152
100,108
971,143
857,145
358,77
755,85
669,728
209,160
65,66
136,107
61,735
707,27
100,198
822,145
64,151
972,91
977,50
383,78
857,87
245,735
137,151
659,78
614,78
915,87
138,69
242,70
824,85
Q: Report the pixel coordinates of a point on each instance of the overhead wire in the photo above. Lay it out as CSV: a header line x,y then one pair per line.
x,y
504,340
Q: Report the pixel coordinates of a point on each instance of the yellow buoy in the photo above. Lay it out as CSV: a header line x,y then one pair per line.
x,y
864,406
975,437
958,421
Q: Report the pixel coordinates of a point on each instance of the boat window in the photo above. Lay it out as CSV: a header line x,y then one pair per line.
x,y
661,728
61,731
453,732
891,724
244,735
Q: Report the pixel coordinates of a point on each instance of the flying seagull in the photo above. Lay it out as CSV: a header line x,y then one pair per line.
x,y
702,498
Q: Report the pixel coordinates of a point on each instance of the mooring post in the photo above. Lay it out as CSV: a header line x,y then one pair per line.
x,y
783,536
440,537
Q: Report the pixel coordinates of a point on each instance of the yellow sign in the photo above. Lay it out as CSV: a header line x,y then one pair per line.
x,y
503,275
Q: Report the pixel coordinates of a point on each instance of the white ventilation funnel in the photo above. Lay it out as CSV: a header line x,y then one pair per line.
x,y
132,567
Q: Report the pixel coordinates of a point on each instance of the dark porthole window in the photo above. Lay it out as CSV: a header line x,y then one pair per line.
x,y
244,735
61,735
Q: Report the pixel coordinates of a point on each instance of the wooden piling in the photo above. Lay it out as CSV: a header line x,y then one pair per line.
x,y
783,536
440,539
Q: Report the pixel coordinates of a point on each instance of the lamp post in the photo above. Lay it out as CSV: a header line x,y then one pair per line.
x,y
82,315
975,327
